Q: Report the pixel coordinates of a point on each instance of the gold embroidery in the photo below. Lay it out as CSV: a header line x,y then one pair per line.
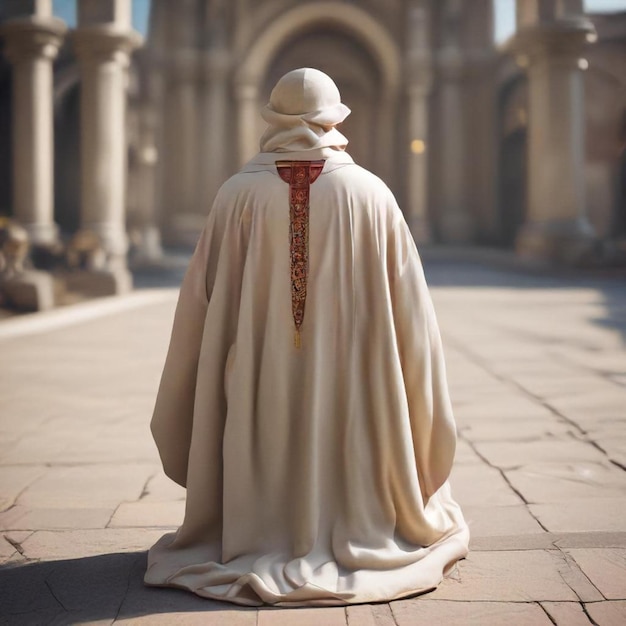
x,y
300,175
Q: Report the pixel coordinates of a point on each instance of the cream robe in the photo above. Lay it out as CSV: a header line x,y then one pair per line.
x,y
315,476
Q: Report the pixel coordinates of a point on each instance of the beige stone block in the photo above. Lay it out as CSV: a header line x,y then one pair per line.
x,y
488,521
335,616
14,479
370,615
524,576
541,483
592,404
141,514
593,515
72,544
421,611
481,485
465,454
566,613
93,486
605,568
25,518
609,613
512,408
520,429
508,455
160,488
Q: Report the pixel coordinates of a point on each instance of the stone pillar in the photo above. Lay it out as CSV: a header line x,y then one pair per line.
x,y
214,144
419,62
31,44
455,223
248,113
103,50
549,44
185,216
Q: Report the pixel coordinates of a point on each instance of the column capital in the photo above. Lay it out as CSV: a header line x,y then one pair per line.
x,y
101,43
557,39
32,37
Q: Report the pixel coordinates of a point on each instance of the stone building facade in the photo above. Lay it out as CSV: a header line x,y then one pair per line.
x,y
518,145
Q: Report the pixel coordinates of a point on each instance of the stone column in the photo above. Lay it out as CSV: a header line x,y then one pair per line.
x,y
214,145
31,44
185,216
549,44
419,62
455,224
248,114
103,50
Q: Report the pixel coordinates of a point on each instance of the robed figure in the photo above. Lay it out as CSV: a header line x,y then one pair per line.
x,y
304,402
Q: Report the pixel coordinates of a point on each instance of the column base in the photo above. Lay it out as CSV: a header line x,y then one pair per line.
x,y
456,228
99,282
184,229
145,248
28,291
563,242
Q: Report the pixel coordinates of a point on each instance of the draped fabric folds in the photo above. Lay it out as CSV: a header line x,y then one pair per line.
x,y
318,475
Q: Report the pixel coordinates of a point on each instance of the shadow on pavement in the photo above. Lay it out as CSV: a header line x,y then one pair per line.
x,y
103,587
611,289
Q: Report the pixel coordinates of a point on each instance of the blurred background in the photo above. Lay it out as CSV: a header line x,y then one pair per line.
x,y
497,123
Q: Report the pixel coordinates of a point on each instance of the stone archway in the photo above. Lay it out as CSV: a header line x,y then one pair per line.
x,y
355,24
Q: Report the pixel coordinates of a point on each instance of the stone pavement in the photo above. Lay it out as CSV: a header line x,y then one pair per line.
x,y
537,370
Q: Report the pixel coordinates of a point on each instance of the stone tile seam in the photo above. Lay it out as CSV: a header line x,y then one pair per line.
x,y
545,610
571,562
480,362
506,479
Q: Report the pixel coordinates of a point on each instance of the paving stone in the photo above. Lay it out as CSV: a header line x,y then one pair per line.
x,y
25,518
591,515
481,485
335,616
489,521
14,479
33,618
95,486
608,613
66,544
161,489
566,613
522,429
533,575
370,615
591,404
508,455
413,612
512,408
563,482
141,514
548,387
225,617
84,618
605,568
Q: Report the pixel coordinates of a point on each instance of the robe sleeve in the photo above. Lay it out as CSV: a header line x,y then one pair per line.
x,y
172,419
421,355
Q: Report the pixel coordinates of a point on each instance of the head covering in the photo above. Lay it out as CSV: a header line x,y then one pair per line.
x,y
304,108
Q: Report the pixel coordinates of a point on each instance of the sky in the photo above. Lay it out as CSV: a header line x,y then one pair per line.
x,y
66,10
504,25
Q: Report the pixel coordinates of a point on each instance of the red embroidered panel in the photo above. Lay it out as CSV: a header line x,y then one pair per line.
x,y
300,175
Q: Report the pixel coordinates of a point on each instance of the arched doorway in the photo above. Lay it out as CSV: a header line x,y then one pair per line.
x,y
353,70
355,33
